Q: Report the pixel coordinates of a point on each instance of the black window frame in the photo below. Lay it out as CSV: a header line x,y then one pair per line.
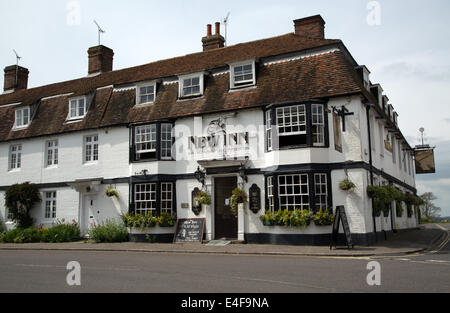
x,y
158,157
311,188
154,179
309,136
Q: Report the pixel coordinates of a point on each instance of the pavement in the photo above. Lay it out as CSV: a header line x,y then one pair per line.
x,y
425,238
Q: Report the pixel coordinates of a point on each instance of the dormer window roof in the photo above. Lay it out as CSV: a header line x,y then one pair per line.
x,y
77,108
23,118
242,74
191,85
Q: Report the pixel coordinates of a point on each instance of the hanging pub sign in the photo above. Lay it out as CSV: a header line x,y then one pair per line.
x,y
424,159
255,199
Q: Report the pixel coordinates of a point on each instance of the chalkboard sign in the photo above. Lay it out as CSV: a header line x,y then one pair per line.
x,y
255,199
338,217
189,230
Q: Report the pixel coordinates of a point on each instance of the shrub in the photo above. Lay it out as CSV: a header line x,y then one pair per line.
x,y
1,227
166,220
323,218
20,199
399,209
297,218
20,235
111,231
61,233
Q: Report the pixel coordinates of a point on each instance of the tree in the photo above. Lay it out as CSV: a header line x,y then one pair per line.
x,y
20,199
429,209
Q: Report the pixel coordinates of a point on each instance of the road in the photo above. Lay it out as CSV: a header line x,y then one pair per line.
x,y
45,271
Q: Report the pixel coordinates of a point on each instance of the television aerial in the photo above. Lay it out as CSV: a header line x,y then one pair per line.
x,y
100,31
17,57
225,22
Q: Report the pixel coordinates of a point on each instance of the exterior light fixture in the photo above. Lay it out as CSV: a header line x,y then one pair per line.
x,y
200,176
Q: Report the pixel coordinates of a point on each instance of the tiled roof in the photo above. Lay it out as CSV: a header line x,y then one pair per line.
x,y
323,75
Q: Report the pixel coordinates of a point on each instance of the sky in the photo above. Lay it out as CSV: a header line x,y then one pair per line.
x,y
405,45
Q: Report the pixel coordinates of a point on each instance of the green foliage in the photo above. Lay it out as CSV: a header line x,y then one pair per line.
x,y
297,218
20,199
238,196
139,221
110,231
166,220
58,233
203,198
61,233
383,197
347,185
111,192
1,227
323,218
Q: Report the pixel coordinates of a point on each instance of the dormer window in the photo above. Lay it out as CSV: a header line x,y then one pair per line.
x,y
22,118
146,93
191,85
242,74
77,108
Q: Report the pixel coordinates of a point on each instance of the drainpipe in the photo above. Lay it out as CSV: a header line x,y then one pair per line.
x,y
368,106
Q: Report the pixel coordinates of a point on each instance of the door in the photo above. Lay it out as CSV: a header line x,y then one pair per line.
x,y
226,223
90,214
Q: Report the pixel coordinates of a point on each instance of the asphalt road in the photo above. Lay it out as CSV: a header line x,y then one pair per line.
x,y
45,271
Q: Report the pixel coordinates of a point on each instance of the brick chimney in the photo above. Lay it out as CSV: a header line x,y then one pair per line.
x,y
213,41
100,60
313,27
16,77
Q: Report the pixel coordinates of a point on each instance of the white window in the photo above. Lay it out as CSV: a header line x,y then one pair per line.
x,y
270,194
15,157
146,93
191,85
166,197
145,198
50,204
145,140
22,118
242,74
381,136
91,148
51,153
321,192
77,108
293,192
318,125
269,130
166,141
291,120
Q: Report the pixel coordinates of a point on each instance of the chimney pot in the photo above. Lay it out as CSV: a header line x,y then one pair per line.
x,y
312,27
217,28
16,78
100,60
208,30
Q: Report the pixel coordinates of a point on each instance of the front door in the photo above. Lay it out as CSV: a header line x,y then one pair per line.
x,y
90,214
226,224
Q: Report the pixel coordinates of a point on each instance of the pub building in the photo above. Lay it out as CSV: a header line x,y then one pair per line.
x,y
286,119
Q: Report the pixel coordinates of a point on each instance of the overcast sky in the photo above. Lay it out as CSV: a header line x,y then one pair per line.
x,y
406,47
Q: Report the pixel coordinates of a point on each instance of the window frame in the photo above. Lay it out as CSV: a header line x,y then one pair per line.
x,y
53,204
93,144
244,83
55,153
17,154
139,95
309,142
159,147
77,116
311,188
181,87
22,125
158,192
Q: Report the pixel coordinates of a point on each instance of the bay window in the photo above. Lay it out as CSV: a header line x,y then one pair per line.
x,y
300,191
152,142
153,197
145,199
301,125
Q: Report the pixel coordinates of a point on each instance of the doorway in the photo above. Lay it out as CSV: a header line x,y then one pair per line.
x,y
226,223
91,214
